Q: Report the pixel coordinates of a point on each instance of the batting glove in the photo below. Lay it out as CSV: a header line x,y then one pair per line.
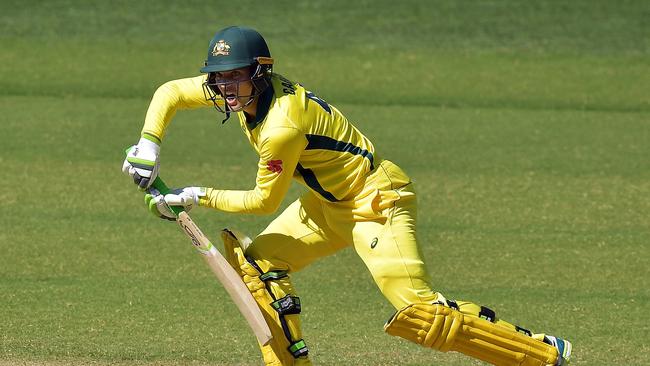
x,y
142,162
187,198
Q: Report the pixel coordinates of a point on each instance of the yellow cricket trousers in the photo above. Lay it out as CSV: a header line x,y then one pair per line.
x,y
379,222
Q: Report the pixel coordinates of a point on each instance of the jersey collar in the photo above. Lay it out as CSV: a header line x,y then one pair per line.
x,y
263,106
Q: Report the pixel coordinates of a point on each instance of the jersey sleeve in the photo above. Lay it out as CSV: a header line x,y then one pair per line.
x,y
279,154
170,97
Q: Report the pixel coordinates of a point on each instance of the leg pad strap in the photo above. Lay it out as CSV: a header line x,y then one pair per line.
x,y
287,305
298,349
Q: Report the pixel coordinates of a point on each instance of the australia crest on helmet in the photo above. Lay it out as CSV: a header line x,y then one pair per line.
x,y
221,48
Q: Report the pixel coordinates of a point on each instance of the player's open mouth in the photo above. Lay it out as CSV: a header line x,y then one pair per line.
x,y
231,99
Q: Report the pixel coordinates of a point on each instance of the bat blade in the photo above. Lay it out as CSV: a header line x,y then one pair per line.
x,y
230,280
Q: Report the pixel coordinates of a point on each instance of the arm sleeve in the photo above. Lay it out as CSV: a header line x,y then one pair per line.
x,y
169,97
279,154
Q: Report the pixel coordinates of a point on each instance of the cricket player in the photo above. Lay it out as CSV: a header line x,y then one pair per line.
x,y
355,198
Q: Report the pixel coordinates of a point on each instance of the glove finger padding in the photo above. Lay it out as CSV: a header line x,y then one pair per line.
x,y
156,204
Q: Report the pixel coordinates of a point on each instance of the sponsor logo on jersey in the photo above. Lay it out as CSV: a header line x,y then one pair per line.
x,y
373,243
274,165
221,48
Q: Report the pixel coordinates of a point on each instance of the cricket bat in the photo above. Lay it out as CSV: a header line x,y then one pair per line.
x,y
222,269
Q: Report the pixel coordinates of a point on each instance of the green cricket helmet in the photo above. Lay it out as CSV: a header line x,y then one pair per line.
x,y
234,48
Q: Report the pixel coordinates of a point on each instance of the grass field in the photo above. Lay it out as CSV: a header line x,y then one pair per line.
x,y
524,125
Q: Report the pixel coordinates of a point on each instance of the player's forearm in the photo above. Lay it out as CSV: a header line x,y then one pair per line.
x,y
239,201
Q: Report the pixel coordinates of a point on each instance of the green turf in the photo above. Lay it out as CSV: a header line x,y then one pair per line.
x,y
525,126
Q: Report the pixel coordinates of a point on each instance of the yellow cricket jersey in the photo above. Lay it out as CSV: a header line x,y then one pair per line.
x,y
296,134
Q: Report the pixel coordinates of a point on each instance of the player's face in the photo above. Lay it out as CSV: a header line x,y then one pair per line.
x,y
236,87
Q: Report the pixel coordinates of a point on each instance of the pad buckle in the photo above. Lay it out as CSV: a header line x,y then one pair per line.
x,y
487,314
524,331
273,275
287,305
298,349
451,303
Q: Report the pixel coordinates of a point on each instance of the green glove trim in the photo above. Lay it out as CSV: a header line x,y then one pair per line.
x,y
152,138
140,162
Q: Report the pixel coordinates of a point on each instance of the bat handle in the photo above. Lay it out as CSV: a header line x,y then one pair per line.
x,y
160,186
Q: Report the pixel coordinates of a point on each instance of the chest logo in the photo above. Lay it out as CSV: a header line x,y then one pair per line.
x,y
221,48
274,165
